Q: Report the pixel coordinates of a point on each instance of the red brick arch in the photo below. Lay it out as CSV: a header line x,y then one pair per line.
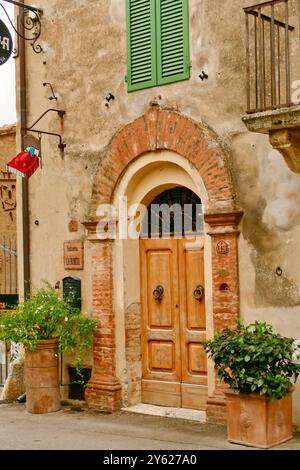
x,y
160,129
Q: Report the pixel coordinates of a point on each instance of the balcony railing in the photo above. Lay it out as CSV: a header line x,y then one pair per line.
x,y
268,56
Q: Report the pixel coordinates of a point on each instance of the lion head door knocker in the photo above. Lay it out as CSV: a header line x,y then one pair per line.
x,y
158,293
198,293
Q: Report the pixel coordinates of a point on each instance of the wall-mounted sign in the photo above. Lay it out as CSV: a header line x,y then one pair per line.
x,y
6,43
73,254
25,163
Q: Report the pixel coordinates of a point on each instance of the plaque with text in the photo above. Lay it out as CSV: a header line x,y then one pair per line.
x,y
73,254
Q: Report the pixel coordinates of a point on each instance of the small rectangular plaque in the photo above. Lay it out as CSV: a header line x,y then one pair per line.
x,y
73,254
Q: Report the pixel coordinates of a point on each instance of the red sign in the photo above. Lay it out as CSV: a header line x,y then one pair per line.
x,y
24,164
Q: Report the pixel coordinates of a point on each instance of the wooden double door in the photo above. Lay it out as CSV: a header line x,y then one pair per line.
x,y
174,364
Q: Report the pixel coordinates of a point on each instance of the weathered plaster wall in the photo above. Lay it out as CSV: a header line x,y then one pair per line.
x,y
7,203
84,59
7,144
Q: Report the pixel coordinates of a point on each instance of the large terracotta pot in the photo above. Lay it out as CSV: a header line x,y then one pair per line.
x,y
42,378
258,421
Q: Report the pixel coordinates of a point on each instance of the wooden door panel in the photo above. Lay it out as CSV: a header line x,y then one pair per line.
x,y
196,363
161,356
160,323
174,328
161,393
160,272
193,396
194,276
192,325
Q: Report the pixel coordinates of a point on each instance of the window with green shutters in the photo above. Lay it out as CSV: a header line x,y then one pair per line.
x,y
157,42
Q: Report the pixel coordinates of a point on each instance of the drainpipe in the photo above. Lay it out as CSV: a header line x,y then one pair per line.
x,y
24,182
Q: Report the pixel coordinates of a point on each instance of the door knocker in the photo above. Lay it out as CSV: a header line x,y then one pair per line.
x,y
158,293
198,293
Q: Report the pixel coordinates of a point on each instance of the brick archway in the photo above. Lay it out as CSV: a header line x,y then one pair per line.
x,y
161,129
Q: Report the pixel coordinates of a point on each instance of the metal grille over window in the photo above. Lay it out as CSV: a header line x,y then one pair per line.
x,y
175,213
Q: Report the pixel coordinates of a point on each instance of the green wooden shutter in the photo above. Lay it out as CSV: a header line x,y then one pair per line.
x,y
173,62
141,44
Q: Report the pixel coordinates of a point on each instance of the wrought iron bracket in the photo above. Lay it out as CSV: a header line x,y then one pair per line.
x,y
61,114
28,25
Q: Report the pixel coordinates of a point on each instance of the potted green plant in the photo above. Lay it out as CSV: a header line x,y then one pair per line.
x,y
257,365
45,325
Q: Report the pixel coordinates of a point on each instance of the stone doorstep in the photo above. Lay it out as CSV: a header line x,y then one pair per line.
x,y
167,412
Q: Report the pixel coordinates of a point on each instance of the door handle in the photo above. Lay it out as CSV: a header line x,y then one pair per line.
x,y
158,293
198,293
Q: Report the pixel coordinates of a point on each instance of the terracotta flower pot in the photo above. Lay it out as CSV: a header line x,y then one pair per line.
x,y
258,421
42,378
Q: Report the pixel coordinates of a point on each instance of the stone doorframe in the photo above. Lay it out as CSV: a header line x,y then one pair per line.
x,y
160,129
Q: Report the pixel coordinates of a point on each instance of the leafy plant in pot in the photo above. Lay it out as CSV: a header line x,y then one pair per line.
x,y
258,365
46,325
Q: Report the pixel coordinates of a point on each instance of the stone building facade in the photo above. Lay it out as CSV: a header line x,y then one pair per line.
x,y
138,144
8,182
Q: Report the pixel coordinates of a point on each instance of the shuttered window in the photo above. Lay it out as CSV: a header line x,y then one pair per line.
x,y
157,42
141,44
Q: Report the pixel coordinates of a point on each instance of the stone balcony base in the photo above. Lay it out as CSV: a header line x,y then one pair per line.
x,y
283,127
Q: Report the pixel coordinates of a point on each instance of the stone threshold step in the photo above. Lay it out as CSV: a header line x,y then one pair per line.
x,y
167,412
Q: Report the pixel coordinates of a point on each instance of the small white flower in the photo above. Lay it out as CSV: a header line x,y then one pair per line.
x,y
66,319
296,352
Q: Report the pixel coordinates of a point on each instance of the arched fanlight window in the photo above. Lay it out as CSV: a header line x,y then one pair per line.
x,y
175,213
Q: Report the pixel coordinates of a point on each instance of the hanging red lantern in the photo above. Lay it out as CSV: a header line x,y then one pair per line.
x,y
25,163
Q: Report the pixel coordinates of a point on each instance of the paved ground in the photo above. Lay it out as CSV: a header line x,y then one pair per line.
x,y
86,430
